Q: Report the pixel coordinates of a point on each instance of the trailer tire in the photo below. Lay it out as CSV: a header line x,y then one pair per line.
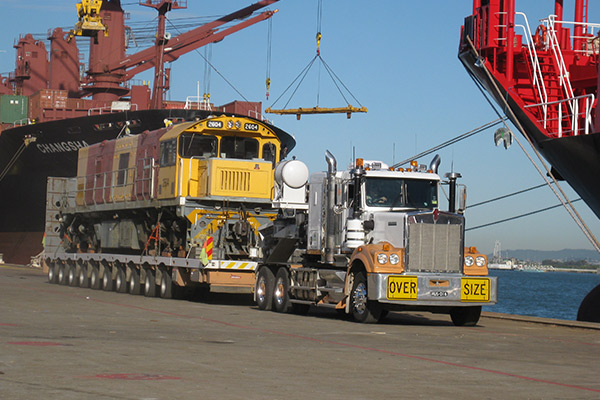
x,y
363,310
121,280
72,278
52,272
135,287
166,284
95,282
263,290
108,283
281,291
62,273
83,278
150,283
465,316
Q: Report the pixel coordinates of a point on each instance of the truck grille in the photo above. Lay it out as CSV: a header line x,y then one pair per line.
x,y
434,246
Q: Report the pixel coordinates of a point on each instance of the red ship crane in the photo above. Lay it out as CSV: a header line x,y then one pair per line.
x,y
110,67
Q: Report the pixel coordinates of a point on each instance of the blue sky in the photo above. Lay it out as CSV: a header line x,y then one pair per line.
x,y
399,59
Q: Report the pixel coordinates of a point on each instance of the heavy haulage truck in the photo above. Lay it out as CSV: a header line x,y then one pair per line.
x,y
369,240
213,205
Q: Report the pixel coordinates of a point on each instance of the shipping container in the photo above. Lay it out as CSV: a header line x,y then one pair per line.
x,y
13,109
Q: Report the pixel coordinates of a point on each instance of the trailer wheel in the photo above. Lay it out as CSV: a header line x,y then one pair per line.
x,y
363,309
264,288
150,283
84,280
52,272
62,273
166,284
281,291
465,316
121,280
135,287
108,283
72,275
94,276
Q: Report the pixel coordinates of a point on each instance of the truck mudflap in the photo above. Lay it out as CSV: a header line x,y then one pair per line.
x,y
432,289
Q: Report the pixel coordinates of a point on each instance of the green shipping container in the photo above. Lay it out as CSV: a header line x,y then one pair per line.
x,y
13,109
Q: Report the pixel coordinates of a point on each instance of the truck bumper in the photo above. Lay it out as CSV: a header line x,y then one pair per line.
x,y
432,289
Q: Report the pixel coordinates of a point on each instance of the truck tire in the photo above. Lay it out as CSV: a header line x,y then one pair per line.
x,y
166,284
150,283
52,272
135,287
72,277
465,316
281,291
362,309
121,280
95,282
62,273
108,283
83,278
263,290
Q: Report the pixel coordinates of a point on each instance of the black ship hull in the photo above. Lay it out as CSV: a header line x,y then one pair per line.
x,y
576,159
54,153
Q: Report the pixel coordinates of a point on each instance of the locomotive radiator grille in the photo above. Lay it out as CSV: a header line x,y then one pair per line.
x,y
235,181
434,247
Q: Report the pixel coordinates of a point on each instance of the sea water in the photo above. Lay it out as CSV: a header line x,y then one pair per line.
x,y
542,294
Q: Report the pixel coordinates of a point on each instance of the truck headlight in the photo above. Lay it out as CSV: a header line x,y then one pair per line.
x,y
469,261
480,261
394,259
382,258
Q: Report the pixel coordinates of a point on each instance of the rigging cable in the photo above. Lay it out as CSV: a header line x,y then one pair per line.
x,y
564,199
269,44
452,141
506,196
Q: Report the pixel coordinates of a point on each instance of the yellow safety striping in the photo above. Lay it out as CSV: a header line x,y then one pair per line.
x,y
232,265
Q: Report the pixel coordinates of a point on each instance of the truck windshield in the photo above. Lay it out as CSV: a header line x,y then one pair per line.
x,y
393,192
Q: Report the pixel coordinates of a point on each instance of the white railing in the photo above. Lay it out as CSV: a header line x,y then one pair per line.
x,y
576,115
200,103
554,45
538,79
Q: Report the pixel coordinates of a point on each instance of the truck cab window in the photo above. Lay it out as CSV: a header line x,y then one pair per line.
x,y
237,147
194,145
383,192
421,194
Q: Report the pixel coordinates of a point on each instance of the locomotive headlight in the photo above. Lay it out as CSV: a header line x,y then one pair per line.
x,y
480,261
394,259
382,258
469,261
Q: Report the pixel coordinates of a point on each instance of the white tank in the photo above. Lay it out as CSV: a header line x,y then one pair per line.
x,y
293,173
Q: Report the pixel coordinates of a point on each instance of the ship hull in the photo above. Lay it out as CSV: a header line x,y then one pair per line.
x,y
575,159
54,153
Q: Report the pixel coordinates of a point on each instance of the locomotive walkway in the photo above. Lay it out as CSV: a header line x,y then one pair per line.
x,y
59,342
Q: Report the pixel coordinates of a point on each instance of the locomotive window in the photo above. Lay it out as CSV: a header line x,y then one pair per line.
x,y
268,152
194,145
236,147
122,173
168,153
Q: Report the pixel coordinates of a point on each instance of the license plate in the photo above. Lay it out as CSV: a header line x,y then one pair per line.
x,y
475,289
402,288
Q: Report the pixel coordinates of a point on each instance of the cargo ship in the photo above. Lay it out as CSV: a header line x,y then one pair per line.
x,y
545,78
49,109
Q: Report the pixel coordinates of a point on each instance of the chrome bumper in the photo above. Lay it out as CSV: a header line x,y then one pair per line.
x,y
431,289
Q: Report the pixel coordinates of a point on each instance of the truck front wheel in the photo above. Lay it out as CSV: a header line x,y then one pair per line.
x,y
465,316
363,309
264,288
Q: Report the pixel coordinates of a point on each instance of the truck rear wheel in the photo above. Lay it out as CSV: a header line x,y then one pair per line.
x,y
264,288
281,291
465,316
363,309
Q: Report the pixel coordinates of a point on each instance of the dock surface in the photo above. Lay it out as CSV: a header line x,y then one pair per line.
x,y
60,342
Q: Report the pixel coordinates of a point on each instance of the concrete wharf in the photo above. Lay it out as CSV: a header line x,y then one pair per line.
x,y
60,342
